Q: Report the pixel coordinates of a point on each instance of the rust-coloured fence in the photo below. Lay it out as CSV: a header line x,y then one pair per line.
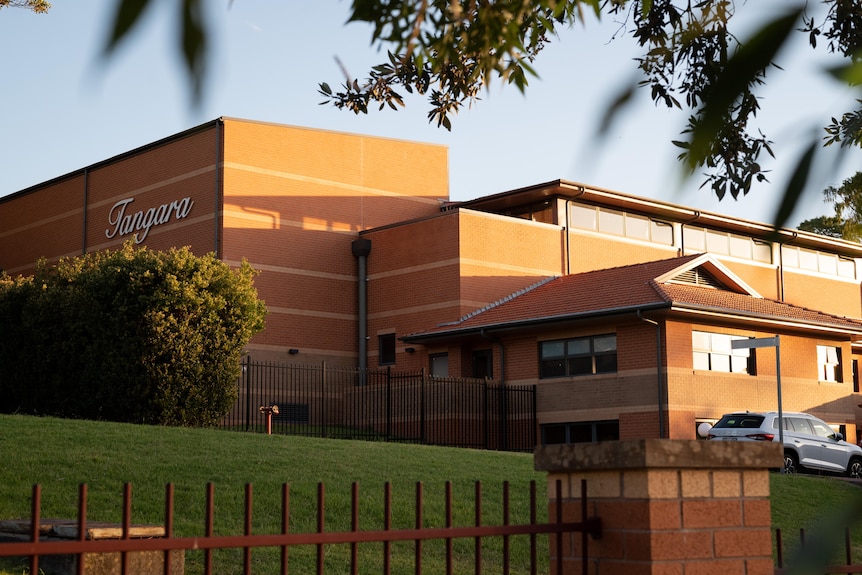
x,y
35,546
384,404
817,555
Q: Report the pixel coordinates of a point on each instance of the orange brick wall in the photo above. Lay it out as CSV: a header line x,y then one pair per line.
x,y
762,278
704,394
808,290
665,506
45,222
590,252
71,215
294,200
451,264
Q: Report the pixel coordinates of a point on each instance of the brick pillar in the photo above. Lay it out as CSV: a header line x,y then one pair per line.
x,y
667,507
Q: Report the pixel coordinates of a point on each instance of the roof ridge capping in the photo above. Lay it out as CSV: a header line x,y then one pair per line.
x,y
501,301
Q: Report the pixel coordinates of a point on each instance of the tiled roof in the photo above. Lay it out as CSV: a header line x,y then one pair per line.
x,y
629,288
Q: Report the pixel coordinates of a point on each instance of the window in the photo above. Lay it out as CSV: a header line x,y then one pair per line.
x,y
483,366
699,239
578,356
855,370
829,363
439,364
580,432
620,224
386,348
611,222
713,352
815,261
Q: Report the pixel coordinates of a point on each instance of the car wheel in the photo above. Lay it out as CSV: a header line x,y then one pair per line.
x,y
791,463
854,470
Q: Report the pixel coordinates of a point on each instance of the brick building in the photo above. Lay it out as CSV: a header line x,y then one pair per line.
x,y
618,308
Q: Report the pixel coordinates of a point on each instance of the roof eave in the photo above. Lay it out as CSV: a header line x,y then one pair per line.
x,y
777,321
533,322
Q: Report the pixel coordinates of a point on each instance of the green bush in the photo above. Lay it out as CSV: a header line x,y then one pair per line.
x,y
132,335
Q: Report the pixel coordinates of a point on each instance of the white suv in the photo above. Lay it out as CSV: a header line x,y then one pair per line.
x,y
809,442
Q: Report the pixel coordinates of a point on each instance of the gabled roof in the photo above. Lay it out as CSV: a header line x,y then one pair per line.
x,y
659,285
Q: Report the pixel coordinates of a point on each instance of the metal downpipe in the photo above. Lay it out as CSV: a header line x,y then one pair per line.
x,y
361,248
659,381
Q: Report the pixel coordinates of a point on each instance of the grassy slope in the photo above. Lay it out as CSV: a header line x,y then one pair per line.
x,y
60,454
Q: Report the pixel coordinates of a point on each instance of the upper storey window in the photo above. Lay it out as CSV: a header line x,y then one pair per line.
x,y
620,223
815,261
699,239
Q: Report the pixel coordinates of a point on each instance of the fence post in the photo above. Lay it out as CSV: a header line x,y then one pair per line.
x,y
666,506
388,402
486,418
423,439
247,377
323,399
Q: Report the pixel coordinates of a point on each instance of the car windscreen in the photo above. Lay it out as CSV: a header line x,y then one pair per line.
x,y
740,421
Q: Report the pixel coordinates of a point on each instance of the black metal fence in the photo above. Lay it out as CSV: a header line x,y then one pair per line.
x,y
343,402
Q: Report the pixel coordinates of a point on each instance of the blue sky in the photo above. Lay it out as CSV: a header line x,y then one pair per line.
x,y
63,107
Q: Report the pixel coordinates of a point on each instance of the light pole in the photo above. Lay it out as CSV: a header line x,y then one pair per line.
x,y
752,343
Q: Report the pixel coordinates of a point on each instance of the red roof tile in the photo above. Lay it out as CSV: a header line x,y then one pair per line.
x,y
626,289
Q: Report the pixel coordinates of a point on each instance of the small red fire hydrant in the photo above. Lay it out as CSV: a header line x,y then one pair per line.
x,y
268,411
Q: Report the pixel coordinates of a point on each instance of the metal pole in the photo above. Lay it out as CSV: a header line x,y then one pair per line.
x,y
778,384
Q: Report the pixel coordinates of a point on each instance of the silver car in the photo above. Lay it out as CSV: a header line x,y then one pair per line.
x,y
809,442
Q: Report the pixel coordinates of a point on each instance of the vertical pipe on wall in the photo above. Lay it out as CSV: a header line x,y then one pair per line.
x,y
361,248
659,382
504,407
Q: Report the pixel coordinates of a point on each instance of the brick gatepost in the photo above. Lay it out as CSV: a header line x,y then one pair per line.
x,y
667,507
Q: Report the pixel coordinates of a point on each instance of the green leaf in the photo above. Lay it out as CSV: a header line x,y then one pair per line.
x,y
128,14
741,71
194,44
795,186
850,73
615,107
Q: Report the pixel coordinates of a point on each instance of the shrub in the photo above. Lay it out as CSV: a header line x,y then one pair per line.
x,y
131,335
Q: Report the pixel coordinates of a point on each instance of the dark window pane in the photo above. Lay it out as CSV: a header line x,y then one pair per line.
x,y
482,365
582,433
580,365
607,431
606,363
552,434
386,344
553,368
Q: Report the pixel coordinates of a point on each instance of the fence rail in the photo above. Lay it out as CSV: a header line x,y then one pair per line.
x,y
833,568
342,402
36,547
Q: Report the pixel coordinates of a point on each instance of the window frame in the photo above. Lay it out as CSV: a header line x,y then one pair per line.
x,y
435,357
386,343
570,359
825,367
717,351
599,430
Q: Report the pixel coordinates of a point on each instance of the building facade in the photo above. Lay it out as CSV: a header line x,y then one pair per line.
x,y
621,310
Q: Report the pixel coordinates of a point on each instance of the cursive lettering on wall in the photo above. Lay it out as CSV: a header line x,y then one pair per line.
x,y
140,222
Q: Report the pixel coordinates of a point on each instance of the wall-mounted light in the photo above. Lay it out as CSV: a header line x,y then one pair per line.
x,y
410,349
293,351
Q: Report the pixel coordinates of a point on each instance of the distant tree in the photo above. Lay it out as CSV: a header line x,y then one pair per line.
x,y
823,225
38,6
847,201
130,335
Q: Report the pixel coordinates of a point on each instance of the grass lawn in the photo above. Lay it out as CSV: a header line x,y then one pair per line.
x,y
61,454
